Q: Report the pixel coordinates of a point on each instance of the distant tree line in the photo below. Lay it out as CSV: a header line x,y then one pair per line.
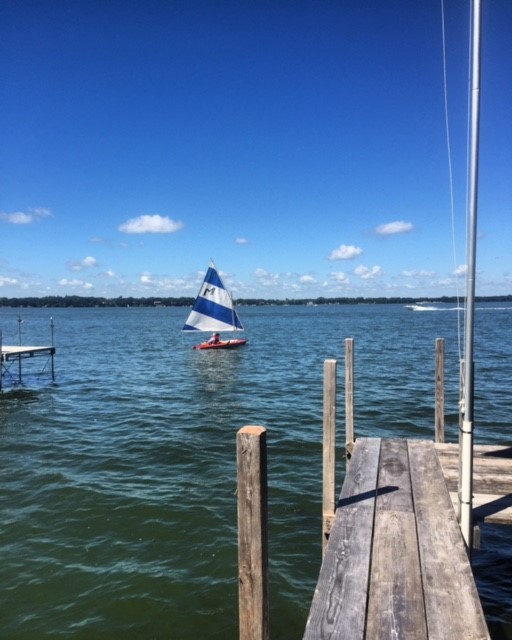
x,y
121,301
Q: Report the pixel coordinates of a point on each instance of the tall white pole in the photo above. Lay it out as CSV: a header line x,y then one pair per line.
x,y
466,497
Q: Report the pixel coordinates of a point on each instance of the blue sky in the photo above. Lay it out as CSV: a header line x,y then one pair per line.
x,y
301,145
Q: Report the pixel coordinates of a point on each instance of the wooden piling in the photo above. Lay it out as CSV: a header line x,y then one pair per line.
x,y
439,411
329,451
349,395
252,533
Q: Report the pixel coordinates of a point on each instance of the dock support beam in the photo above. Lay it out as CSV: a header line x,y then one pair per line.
x,y
329,451
439,413
349,395
251,456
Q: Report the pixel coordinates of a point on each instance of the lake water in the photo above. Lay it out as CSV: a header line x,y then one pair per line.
x,y
118,480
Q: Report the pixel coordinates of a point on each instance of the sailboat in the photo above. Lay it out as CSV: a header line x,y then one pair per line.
x,y
214,311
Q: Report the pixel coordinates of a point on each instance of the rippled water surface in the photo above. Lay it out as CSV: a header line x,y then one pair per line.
x,y
118,480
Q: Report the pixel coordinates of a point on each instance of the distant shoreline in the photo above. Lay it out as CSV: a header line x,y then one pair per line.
x,y
90,301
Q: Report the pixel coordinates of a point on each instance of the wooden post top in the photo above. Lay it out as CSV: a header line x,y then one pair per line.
x,y
252,430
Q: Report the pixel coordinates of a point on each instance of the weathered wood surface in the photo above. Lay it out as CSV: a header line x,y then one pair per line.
x,y
439,411
329,451
452,604
252,533
349,394
340,596
492,480
395,603
396,565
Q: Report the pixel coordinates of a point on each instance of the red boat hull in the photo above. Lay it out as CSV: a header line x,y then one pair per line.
x,y
222,344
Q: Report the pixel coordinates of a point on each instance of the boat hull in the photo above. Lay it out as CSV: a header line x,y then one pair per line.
x,y
223,344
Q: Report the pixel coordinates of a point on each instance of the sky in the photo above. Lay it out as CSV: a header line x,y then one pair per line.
x,y
302,145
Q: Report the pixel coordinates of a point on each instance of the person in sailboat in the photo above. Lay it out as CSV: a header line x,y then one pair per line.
x,y
215,339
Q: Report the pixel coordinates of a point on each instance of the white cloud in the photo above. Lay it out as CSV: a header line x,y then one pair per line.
x,y
86,263
75,284
368,274
418,274
307,280
340,277
147,278
461,270
25,217
151,224
89,261
5,281
345,252
265,278
391,228
242,241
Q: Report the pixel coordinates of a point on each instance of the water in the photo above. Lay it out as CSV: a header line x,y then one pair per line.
x,y
118,480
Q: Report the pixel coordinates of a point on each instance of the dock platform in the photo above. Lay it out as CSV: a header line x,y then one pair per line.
x,y
492,480
11,354
396,565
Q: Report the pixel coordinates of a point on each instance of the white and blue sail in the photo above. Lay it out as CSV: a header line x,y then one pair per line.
x,y
213,309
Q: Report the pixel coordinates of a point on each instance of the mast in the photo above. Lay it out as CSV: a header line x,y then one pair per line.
x,y
466,497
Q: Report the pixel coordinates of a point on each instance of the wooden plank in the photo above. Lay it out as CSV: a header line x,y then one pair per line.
x,y
490,508
452,605
395,606
479,450
492,468
394,484
483,483
339,603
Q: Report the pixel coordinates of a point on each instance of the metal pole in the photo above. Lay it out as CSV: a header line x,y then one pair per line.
x,y
53,344
467,423
19,343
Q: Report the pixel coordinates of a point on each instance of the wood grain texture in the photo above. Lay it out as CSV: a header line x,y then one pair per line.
x,y
396,567
339,603
452,605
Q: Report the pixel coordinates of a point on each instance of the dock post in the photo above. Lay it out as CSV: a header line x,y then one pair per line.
x,y
349,395
252,533
20,322
53,350
329,451
439,412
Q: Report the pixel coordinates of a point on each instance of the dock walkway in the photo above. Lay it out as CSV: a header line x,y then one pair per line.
x,y
395,566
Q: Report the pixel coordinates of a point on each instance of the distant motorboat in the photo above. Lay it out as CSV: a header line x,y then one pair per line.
x,y
421,306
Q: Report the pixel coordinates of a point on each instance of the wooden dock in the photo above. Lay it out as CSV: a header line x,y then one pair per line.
x,y
396,565
492,480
